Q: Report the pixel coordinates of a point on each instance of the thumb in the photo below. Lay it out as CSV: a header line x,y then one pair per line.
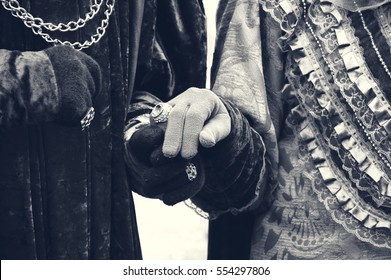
x,y
215,130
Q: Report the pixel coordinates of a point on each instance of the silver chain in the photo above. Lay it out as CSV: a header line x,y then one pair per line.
x,y
20,12
37,25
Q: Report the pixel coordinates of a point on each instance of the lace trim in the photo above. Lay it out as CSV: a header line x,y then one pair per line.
x,y
353,155
368,225
384,23
331,176
354,78
197,210
359,88
375,113
319,105
318,98
357,84
326,105
286,13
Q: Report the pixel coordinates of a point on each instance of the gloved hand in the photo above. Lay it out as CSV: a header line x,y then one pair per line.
x,y
153,175
198,116
78,79
56,84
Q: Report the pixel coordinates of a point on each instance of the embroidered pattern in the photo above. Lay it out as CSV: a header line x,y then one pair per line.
x,y
342,126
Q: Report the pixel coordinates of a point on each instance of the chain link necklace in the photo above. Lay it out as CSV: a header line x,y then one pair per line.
x,y
40,27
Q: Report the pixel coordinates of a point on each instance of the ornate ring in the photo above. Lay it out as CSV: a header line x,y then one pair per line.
x,y
87,119
191,171
160,112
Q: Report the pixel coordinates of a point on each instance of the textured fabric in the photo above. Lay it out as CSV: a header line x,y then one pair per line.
x,y
237,73
224,163
78,80
238,76
64,192
361,4
172,58
57,84
332,200
235,170
29,92
153,175
172,52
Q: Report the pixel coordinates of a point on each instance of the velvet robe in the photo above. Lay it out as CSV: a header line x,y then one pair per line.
x,y
63,191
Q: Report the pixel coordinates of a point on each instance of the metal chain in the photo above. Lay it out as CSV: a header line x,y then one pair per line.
x,y
20,12
37,24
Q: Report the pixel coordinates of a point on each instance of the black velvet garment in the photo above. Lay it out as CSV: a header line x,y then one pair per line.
x,y
63,191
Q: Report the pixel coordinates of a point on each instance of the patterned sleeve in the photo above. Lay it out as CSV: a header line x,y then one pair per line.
x,y
236,170
251,156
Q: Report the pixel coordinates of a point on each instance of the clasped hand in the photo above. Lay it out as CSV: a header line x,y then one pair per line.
x,y
159,155
198,116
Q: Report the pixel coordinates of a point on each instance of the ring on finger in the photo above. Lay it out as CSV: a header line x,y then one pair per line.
x,y
160,112
191,171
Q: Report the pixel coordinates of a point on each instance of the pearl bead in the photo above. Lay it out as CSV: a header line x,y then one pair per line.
x,y
382,157
372,41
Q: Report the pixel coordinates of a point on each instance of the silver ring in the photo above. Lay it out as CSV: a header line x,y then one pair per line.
x,y
191,171
87,119
160,112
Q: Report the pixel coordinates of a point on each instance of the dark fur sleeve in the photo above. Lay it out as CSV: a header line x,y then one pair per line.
x,y
28,91
235,169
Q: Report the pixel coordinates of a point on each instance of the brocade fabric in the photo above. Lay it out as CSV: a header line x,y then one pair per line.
x,y
327,96
334,177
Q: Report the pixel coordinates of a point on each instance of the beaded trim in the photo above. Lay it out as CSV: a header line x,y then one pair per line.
x,y
321,107
384,24
328,117
382,62
365,85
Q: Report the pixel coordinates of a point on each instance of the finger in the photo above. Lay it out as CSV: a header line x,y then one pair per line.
x,y
194,122
183,97
174,132
215,130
